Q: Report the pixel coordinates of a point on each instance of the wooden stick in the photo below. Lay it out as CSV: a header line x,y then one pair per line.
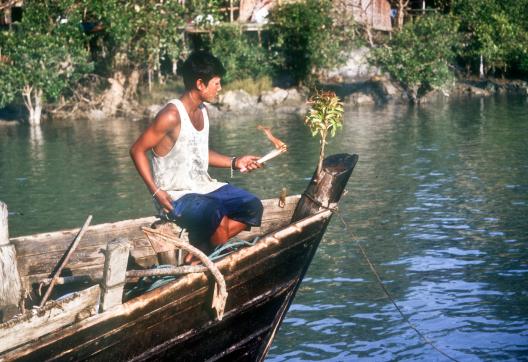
x,y
270,155
71,279
276,142
178,270
65,260
280,147
131,275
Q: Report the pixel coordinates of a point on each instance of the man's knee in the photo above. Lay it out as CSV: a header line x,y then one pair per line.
x,y
255,207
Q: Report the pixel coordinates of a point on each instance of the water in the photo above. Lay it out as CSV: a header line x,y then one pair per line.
x,y
438,200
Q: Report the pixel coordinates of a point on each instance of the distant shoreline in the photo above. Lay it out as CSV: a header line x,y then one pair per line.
x,y
376,90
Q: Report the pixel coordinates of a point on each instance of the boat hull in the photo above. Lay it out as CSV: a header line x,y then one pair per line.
x,y
176,321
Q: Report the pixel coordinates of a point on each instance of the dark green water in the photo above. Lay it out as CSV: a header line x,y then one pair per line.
x,y
439,201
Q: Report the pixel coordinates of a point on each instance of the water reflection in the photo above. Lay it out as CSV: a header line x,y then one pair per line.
x,y
429,204
36,140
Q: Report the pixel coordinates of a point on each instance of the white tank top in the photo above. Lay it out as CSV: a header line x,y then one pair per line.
x,y
184,169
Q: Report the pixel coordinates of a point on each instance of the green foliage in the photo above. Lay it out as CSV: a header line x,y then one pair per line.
x,y
419,56
325,116
302,38
46,51
8,83
138,34
241,58
495,30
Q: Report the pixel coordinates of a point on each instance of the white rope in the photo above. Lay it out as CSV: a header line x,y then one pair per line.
x,y
220,290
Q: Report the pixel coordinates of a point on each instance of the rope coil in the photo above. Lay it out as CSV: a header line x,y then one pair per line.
x,y
220,290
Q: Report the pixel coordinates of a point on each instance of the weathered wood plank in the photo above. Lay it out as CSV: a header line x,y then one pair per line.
x,y
39,253
100,235
89,260
116,260
93,272
46,262
97,235
10,285
189,304
53,316
141,311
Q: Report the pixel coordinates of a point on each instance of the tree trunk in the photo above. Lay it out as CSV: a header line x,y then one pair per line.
x,y
412,92
132,84
363,7
113,97
481,68
326,186
7,16
368,30
33,101
402,5
37,114
321,156
149,74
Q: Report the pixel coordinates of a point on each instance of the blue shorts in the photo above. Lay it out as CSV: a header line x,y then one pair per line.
x,y
201,214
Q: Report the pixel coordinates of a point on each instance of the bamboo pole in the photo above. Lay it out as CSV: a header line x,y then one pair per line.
x,y
65,260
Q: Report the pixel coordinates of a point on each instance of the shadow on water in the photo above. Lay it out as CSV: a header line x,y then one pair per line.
x,y
438,200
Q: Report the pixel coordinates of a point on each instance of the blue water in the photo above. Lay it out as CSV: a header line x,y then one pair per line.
x,y
438,200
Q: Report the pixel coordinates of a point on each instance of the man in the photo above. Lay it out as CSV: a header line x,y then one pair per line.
x,y
211,211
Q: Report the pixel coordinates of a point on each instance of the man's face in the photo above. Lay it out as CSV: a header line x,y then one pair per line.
x,y
210,91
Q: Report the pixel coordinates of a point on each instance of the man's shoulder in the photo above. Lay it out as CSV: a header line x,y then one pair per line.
x,y
169,113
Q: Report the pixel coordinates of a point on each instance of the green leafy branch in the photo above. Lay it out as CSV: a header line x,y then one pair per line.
x,y
324,117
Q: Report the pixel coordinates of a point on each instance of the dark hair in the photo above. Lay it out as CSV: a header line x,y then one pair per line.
x,y
200,65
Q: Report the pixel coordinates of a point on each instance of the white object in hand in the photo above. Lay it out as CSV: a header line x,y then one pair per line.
x,y
271,155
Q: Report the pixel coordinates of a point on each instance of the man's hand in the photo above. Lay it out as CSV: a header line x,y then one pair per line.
x,y
164,200
247,163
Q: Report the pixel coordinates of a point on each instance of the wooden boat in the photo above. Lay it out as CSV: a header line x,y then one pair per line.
x,y
174,321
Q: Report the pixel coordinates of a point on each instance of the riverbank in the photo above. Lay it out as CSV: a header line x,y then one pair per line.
x,y
375,90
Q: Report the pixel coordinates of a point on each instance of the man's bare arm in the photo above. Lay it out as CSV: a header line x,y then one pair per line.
x,y
244,163
166,121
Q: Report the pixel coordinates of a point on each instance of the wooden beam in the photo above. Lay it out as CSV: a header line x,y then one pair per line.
x,y
114,274
325,189
37,254
55,315
10,289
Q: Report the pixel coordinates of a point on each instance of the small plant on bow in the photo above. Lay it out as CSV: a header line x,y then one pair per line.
x,y
324,116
